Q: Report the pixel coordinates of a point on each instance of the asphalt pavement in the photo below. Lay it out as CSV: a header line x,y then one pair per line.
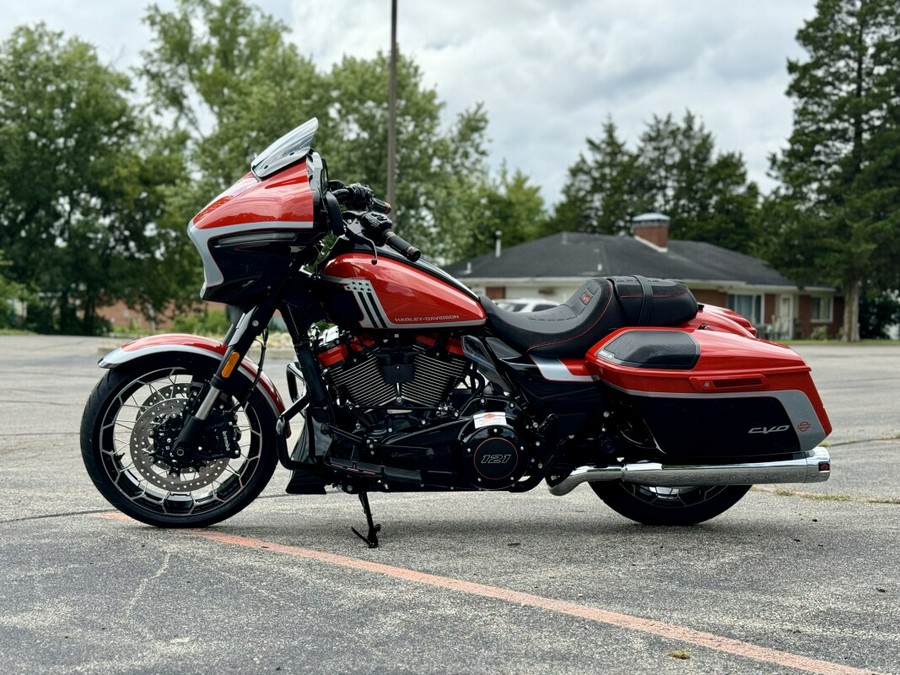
x,y
794,578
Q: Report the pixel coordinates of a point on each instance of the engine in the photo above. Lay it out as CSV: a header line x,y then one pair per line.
x,y
420,418
394,371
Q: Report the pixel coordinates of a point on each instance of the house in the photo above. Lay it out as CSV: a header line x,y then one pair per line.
x,y
554,267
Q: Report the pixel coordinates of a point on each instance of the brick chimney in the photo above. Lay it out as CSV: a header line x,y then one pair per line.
x,y
652,229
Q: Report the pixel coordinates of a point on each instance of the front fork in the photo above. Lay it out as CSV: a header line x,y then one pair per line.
x,y
240,338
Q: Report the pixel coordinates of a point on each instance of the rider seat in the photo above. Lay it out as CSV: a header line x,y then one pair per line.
x,y
599,307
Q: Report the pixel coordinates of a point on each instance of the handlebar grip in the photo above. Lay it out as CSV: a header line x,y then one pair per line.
x,y
402,246
380,206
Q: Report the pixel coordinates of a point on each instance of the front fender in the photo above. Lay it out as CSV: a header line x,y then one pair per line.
x,y
192,344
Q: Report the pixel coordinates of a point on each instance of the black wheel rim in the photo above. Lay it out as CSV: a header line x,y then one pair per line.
x,y
126,450
674,497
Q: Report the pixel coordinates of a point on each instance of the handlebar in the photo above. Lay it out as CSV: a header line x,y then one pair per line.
x,y
371,214
402,246
380,206
378,227
358,197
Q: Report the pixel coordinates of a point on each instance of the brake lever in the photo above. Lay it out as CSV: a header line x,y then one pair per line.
x,y
374,249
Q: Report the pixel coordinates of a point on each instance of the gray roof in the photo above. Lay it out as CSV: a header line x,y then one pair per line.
x,y
576,254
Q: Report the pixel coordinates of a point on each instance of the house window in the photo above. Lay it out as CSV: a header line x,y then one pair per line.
x,y
748,306
821,308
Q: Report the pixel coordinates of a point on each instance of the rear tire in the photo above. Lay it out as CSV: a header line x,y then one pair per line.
x,y
669,506
121,421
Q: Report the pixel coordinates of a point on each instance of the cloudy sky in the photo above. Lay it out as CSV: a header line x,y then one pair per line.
x,y
549,73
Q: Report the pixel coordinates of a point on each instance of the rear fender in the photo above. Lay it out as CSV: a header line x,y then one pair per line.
x,y
192,344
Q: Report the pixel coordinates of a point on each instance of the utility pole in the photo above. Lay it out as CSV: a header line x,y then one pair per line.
x,y
392,114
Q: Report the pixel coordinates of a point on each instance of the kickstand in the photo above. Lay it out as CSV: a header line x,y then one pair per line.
x,y
372,538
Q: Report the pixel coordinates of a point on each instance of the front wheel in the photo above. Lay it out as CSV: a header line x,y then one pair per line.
x,y
669,505
132,414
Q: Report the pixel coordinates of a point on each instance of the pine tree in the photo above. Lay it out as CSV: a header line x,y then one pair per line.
x,y
600,194
838,211
706,195
676,171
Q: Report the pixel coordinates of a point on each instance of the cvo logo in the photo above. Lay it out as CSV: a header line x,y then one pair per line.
x,y
769,430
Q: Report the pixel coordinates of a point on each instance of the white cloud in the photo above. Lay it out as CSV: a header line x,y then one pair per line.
x,y
549,73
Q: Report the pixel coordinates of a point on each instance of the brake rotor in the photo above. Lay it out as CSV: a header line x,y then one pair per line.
x,y
163,409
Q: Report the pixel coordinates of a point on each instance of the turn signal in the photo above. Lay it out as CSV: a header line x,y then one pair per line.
x,y
230,364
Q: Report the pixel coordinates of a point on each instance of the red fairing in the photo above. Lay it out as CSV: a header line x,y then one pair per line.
x,y
284,198
394,294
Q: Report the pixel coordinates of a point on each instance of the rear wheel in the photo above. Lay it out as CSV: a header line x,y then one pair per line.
x,y
669,505
126,432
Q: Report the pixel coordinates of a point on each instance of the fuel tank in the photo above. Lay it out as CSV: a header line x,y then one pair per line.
x,y
395,293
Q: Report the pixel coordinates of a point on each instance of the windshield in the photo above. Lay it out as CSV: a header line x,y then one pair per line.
x,y
290,148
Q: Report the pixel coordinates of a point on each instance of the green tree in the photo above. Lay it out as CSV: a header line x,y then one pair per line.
x,y
676,171
601,194
706,195
81,181
507,204
10,293
224,74
439,171
878,310
836,216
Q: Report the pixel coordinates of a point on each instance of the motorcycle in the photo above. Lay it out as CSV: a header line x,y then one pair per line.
x,y
669,410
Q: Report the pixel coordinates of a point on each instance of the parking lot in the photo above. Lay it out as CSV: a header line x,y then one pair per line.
x,y
795,578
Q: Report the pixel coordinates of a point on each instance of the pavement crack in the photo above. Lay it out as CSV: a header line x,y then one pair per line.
x,y
94,512
40,433
142,586
43,516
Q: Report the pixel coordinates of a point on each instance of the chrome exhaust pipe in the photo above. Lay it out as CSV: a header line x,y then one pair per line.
x,y
814,468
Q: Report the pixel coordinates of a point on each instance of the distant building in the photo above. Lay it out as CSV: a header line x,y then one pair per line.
x,y
554,267
123,318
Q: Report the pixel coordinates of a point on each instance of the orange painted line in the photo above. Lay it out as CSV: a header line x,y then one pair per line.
x,y
661,629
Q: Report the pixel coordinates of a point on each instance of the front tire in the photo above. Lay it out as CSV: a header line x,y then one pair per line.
x,y
669,506
121,428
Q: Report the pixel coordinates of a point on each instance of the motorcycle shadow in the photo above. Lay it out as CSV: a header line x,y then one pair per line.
x,y
502,523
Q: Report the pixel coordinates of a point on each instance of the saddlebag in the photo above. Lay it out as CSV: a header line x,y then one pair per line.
x,y
704,393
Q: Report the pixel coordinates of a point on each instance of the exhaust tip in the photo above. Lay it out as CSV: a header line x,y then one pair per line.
x,y
822,462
